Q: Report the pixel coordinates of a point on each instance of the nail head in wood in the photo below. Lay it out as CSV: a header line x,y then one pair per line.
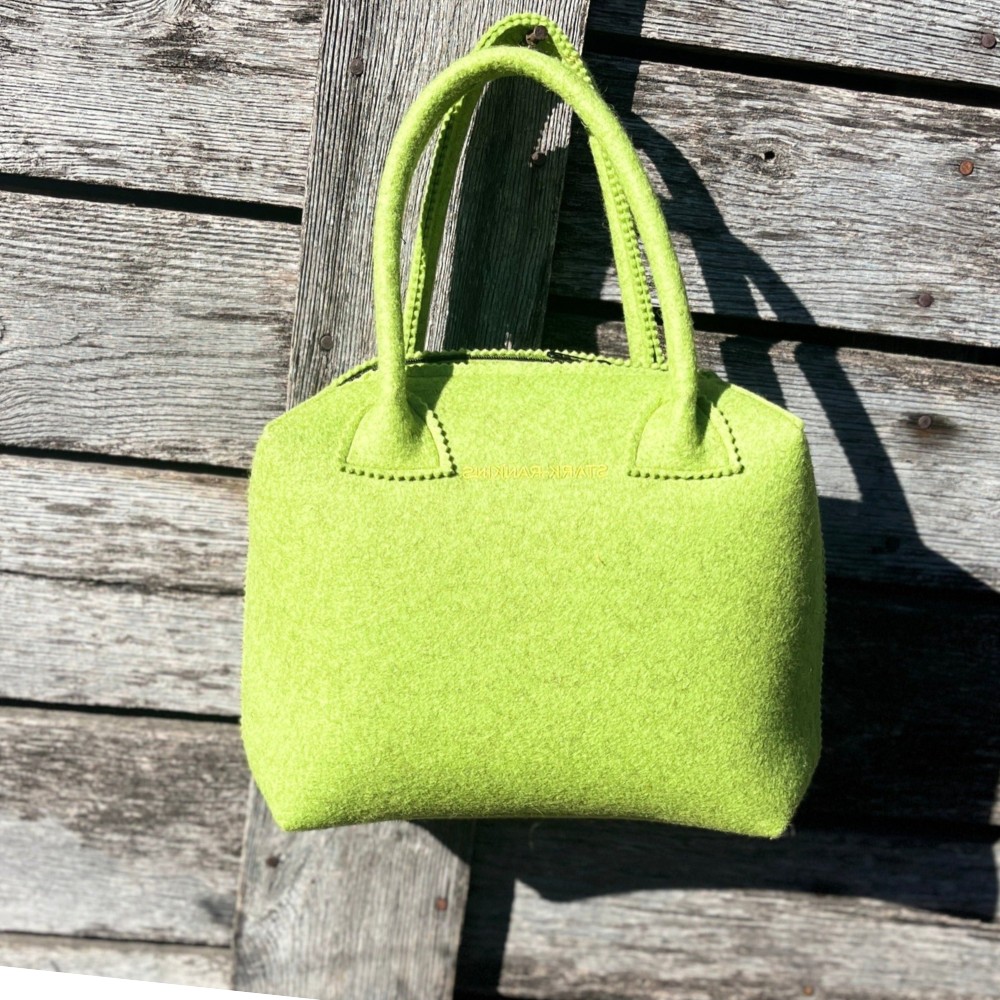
x,y
539,33
924,422
808,991
273,861
925,300
988,40
441,904
966,167
356,66
326,342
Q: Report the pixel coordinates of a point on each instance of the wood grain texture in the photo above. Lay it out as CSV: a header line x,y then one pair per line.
x,y
120,827
119,524
181,965
132,331
630,910
217,99
75,642
363,911
899,502
931,38
201,98
802,203
498,292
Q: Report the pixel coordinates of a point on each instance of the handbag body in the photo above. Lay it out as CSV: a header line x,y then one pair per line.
x,y
528,583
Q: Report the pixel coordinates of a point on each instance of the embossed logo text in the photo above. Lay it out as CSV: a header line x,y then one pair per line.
x,y
534,471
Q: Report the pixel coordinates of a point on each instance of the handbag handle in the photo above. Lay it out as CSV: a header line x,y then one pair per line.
x,y
640,322
393,440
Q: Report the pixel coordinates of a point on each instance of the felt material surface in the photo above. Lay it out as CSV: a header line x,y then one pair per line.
x,y
506,584
542,634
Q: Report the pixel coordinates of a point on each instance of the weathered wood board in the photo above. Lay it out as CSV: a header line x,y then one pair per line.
x,y
122,524
217,100
133,331
210,99
182,965
942,39
498,294
368,911
803,203
660,913
114,826
77,642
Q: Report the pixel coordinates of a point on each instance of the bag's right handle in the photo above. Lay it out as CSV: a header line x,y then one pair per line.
x,y
640,321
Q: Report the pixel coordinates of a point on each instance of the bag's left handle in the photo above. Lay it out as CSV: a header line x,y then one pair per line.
x,y
640,321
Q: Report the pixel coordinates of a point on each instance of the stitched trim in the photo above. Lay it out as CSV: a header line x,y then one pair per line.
x,y
441,358
447,468
718,420
429,359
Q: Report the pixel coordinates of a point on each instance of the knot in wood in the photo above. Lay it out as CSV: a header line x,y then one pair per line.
x,y
539,33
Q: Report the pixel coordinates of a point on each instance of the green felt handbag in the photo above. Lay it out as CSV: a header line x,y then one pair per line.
x,y
519,583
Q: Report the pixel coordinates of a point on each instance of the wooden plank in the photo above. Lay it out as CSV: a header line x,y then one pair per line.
x,y
217,100
79,643
900,502
119,524
395,942
209,99
132,331
803,203
630,910
181,965
117,826
933,38
382,904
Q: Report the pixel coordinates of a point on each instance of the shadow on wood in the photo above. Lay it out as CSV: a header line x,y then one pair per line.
x,y
910,691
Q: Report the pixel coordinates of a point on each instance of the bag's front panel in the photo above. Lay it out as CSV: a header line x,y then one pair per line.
x,y
543,633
